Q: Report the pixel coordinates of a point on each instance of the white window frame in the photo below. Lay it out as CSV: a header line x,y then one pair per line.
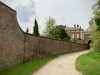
x,y
77,35
72,35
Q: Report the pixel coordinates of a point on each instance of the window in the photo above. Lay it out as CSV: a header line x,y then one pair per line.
x,y
77,35
72,35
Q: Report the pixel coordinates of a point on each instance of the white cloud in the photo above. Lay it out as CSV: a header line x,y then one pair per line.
x,y
14,3
29,24
66,12
26,15
25,12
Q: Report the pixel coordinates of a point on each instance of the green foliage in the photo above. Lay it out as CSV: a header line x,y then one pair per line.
x,y
97,21
74,41
28,68
96,28
89,63
27,30
35,31
55,33
50,23
99,2
59,33
96,8
96,40
66,39
63,34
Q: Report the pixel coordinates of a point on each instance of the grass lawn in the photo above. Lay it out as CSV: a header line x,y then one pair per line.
x,y
89,63
27,68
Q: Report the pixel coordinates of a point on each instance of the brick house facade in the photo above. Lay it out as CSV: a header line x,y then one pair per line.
x,y
78,34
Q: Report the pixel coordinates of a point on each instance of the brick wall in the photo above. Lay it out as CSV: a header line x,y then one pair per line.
x,y
38,47
16,47
11,38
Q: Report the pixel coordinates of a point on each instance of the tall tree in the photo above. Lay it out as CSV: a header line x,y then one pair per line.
x,y
96,28
50,23
55,33
27,30
96,12
59,33
35,31
63,33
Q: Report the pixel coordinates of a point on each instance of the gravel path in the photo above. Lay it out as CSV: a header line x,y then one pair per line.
x,y
63,65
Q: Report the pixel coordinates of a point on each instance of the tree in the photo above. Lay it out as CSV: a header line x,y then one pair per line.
x,y
27,30
35,31
55,33
96,40
96,14
50,23
59,33
63,33
95,20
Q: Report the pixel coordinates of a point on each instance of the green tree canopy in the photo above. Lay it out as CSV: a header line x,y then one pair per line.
x,y
95,21
96,14
55,32
59,33
27,30
50,23
35,29
63,33
96,8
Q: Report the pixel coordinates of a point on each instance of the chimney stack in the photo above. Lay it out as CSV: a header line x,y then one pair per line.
x,y
77,25
65,26
74,25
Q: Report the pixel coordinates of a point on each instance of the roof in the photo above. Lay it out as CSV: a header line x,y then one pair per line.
x,y
73,28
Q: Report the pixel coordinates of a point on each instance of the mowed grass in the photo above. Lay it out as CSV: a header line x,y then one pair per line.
x,y
89,63
28,68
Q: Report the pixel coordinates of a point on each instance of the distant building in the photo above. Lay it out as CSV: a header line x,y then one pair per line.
x,y
79,34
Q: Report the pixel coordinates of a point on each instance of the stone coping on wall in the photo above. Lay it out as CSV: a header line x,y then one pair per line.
x,y
7,6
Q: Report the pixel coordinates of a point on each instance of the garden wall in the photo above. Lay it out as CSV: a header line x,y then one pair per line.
x,y
16,47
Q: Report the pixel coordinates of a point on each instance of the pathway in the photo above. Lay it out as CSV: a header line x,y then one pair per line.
x,y
63,65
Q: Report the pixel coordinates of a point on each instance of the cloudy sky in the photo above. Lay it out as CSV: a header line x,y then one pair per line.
x,y
65,12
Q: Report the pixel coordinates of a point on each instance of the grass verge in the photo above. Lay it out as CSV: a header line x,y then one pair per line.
x,y
89,63
28,68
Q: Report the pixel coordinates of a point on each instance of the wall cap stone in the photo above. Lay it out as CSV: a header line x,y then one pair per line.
x,y
7,6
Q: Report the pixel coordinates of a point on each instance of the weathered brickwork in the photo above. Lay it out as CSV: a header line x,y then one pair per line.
x,y
38,47
11,39
16,47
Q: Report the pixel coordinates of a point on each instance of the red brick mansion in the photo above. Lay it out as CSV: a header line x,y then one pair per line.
x,y
78,34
